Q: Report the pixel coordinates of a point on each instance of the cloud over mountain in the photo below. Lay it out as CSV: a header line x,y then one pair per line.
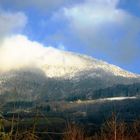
x,y
105,29
102,26
17,51
11,22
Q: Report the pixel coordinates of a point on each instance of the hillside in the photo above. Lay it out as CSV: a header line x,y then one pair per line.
x,y
59,75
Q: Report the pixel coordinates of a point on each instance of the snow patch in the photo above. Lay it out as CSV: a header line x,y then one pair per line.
x,y
117,98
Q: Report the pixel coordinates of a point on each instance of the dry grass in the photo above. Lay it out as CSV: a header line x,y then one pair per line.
x,y
110,130
74,133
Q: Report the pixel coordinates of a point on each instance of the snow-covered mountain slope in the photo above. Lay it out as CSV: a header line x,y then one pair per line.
x,y
58,63
62,73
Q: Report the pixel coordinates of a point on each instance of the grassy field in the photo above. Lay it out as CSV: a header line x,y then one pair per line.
x,y
79,120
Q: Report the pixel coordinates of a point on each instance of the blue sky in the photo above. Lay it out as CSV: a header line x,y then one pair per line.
x,y
105,29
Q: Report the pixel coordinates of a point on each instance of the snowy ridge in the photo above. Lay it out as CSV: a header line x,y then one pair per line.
x,y
18,52
57,63
63,64
39,72
106,99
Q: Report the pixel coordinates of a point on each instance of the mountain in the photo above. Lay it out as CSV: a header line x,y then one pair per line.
x,y
59,75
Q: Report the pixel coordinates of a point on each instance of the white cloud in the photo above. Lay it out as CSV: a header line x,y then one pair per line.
x,y
92,14
102,27
17,52
11,22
